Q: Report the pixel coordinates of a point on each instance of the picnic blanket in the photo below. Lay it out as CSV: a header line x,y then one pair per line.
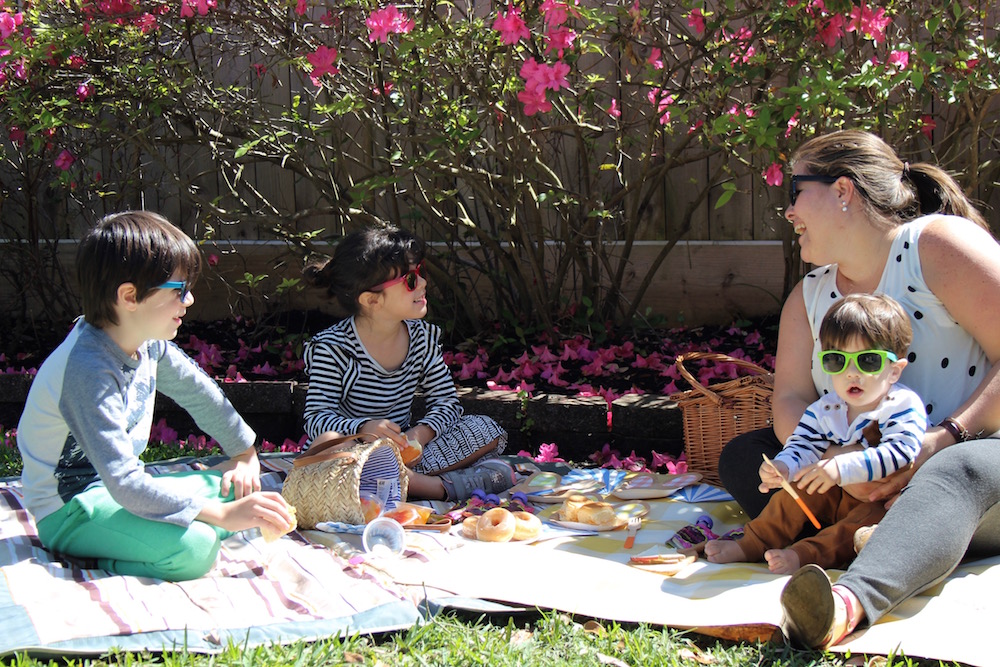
x,y
258,593
315,584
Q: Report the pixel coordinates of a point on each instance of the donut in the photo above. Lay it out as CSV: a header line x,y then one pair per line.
x,y
469,527
571,506
596,514
271,534
527,527
496,525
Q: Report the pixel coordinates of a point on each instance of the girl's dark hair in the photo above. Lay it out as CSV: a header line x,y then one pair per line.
x,y
363,260
876,319
892,191
135,247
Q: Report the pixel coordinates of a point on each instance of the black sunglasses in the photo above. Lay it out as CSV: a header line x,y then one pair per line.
x,y
793,187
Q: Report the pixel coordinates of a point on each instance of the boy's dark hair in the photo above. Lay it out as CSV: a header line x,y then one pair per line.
x,y
877,319
136,247
363,260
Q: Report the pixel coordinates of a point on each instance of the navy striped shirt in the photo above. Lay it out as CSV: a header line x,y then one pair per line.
x,y
347,387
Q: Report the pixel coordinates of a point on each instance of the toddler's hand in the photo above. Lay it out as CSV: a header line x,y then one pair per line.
x,y
771,476
819,477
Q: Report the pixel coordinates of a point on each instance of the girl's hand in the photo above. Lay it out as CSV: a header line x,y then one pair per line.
x,y
771,475
241,473
252,511
819,477
383,428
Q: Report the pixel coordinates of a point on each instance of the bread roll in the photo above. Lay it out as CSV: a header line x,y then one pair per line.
x,y
596,514
571,507
271,534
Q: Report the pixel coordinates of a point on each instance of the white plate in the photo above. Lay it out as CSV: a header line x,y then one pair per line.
x,y
547,488
644,486
574,525
623,512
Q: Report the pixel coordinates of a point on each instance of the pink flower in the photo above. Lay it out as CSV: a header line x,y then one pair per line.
x,y
511,26
559,39
65,160
539,77
383,22
696,20
83,91
901,59
604,455
16,135
697,126
613,109
548,453
556,13
655,58
202,7
870,24
793,123
927,125
773,175
213,260
322,60
8,24
300,7
76,62
662,101
830,30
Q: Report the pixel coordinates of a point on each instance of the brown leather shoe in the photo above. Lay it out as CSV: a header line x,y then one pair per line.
x,y
808,608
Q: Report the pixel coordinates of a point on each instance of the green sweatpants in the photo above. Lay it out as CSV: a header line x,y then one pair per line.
x,y
93,525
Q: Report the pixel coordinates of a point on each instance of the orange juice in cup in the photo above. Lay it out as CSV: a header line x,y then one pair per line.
x,y
371,506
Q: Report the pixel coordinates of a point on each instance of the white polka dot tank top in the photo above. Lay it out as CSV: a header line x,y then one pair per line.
x,y
945,363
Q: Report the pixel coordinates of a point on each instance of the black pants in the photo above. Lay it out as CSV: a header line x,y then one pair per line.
x,y
739,463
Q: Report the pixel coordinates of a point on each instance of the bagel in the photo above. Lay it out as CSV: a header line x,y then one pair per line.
x,y
596,514
469,527
527,526
496,525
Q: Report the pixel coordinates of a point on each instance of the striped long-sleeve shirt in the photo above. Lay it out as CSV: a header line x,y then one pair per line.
x,y
347,387
901,420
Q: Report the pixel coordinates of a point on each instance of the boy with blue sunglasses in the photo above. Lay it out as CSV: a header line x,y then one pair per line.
x,y
835,450
90,408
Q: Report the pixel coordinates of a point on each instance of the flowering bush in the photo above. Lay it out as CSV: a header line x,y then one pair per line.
x,y
531,137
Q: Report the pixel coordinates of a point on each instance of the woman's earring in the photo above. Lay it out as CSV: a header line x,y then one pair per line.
x,y
843,206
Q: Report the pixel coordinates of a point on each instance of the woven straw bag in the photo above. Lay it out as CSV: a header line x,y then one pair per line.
x,y
714,416
324,483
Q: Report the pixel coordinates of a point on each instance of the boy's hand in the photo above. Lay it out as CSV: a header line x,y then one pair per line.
x,y
771,475
252,511
819,477
241,473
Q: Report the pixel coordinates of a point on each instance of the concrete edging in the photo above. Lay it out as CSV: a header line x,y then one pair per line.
x,y
578,425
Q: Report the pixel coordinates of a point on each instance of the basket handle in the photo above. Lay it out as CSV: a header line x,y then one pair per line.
x,y
327,450
711,356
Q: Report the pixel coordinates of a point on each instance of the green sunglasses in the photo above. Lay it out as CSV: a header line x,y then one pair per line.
x,y
869,362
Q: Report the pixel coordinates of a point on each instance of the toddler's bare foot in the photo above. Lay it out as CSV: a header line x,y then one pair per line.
x,y
782,561
724,551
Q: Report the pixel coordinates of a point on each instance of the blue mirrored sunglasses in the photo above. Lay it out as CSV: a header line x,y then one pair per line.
x,y
180,285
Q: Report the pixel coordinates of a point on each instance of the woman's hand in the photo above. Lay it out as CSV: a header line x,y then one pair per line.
x,y
252,511
819,477
241,473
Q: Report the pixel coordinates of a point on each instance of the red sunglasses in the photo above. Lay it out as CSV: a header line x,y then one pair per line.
x,y
409,279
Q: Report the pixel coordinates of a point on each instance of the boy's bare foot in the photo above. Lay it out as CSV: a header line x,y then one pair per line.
x,y
724,551
781,561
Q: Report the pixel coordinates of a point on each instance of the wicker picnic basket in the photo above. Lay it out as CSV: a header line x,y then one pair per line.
x,y
714,416
324,483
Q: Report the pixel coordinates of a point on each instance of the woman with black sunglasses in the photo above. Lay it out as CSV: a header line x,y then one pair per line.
x,y
365,371
874,223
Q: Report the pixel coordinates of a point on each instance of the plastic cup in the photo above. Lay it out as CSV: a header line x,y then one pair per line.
x,y
384,537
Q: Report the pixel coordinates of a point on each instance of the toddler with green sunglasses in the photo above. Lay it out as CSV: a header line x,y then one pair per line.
x,y
868,429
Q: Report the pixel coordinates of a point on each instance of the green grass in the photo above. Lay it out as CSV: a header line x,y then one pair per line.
x,y
536,639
